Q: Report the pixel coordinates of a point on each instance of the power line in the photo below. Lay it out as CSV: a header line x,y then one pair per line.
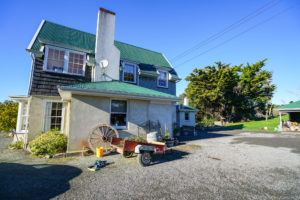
x,y
231,27
239,34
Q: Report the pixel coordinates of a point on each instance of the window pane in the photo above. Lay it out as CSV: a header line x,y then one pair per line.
x,y
162,79
24,117
55,60
53,116
118,106
186,116
129,72
76,64
118,119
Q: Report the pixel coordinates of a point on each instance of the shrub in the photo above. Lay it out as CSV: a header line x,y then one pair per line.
x,y
206,122
48,143
8,116
17,145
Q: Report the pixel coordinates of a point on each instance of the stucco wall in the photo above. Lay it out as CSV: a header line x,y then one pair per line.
x,y
163,113
87,112
137,114
183,122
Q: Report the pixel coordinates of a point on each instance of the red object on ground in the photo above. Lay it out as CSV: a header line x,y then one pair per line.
x,y
125,146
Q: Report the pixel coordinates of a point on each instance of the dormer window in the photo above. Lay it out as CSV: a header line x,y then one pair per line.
x,y
64,61
162,79
55,60
129,73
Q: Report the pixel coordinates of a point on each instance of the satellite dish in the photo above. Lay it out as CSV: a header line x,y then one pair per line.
x,y
104,63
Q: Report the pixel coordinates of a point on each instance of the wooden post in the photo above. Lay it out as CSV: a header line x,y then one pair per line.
x,y
280,126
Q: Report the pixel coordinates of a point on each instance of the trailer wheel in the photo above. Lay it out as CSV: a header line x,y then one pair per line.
x,y
144,158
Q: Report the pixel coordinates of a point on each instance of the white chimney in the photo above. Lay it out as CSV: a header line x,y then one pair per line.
x,y
105,48
186,101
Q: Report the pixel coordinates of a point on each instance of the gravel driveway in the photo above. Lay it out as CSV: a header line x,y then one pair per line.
x,y
223,165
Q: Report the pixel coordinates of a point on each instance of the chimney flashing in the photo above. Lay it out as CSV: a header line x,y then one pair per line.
x,y
107,11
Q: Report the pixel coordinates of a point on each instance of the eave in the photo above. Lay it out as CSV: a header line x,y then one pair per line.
x,y
64,90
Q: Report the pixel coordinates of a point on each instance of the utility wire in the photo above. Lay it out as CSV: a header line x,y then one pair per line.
x,y
239,34
229,28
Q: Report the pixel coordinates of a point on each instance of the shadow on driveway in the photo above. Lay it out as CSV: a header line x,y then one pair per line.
x,y
276,142
41,181
175,155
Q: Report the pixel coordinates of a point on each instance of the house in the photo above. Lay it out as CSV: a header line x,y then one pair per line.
x,y
79,80
293,110
185,115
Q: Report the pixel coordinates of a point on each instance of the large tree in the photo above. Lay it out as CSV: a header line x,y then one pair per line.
x,y
224,91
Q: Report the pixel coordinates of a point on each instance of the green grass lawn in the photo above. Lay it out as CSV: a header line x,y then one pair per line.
x,y
258,124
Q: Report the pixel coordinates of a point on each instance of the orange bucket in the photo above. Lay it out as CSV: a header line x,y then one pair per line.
x,y
99,151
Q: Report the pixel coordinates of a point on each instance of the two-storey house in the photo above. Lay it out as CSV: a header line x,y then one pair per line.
x,y
79,80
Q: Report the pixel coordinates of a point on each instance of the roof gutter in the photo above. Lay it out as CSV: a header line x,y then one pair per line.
x,y
113,94
187,110
289,110
19,98
31,74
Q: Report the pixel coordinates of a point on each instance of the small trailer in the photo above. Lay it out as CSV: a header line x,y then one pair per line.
x,y
144,150
106,136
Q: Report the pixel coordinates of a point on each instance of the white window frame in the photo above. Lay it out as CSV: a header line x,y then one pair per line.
x,y
167,78
135,67
45,101
21,115
188,116
119,127
66,60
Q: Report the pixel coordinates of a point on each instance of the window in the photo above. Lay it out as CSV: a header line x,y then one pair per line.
x,y
118,114
75,63
22,123
64,61
55,60
53,116
162,79
24,117
129,73
187,116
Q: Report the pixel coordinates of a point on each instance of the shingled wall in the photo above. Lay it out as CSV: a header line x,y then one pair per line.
x,y
45,83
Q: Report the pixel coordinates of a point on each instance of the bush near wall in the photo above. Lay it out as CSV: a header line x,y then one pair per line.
x,y
49,143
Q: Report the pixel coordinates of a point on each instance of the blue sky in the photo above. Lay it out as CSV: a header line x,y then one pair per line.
x,y
170,27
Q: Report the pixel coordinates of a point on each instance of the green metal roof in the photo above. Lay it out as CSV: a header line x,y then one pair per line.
x,y
294,105
119,87
141,55
71,37
64,35
187,107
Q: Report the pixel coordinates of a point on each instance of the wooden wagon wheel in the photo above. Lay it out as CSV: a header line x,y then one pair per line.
x,y
100,136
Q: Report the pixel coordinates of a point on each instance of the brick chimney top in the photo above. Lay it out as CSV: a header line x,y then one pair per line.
x,y
107,11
